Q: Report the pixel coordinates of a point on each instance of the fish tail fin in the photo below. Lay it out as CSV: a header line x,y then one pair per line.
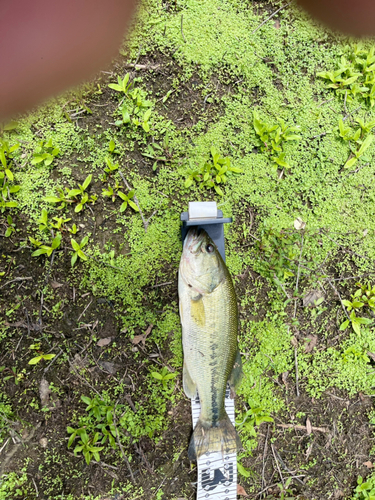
x,y
220,437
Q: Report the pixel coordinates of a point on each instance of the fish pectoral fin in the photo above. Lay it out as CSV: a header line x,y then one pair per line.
x,y
236,374
190,387
197,311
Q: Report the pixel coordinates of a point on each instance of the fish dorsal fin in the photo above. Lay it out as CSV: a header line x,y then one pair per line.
x,y
197,310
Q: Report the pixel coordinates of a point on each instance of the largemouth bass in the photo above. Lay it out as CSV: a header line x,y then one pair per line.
x,y
209,318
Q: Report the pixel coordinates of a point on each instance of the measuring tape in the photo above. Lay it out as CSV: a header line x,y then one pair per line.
x,y
217,472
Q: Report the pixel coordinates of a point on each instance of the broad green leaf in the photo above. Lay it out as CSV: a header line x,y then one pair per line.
x,y
84,241
366,144
87,182
52,199
344,325
81,255
34,361
38,252
75,245
47,357
74,258
157,375
78,208
72,438
114,86
123,206
188,182
241,469
74,192
350,162
9,174
133,205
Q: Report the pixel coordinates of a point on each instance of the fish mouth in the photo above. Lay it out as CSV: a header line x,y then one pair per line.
x,y
194,240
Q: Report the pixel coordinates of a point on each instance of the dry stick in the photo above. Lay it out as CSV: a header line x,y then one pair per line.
x,y
302,427
120,445
182,33
88,305
266,488
16,279
296,367
339,296
277,464
264,456
145,223
270,17
283,464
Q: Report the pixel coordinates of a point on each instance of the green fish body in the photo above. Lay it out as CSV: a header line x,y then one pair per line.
x,y
209,318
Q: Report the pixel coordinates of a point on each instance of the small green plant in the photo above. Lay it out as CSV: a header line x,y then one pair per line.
x,y
354,76
135,108
127,199
164,376
365,490
78,196
279,253
362,298
77,247
359,140
45,153
252,418
273,138
286,491
97,427
11,227
41,356
6,176
16,376
45,249
213,173
6,156
122,85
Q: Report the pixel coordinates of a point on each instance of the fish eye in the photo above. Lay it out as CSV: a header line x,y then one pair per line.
x,y
210,248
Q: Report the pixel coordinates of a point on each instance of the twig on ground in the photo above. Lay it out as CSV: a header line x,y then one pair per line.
x,y
162,284
339,296
15,279
284,466
88,305
143,66
281,285
302,427
270,17
266,488
182,32
296,367
324,102
277,464
145,223
264,456
53,360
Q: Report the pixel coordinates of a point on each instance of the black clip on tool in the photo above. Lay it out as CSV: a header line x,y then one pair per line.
x,y
205,215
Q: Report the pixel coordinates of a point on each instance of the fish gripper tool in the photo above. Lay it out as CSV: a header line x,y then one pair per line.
x,y
205,215
217,472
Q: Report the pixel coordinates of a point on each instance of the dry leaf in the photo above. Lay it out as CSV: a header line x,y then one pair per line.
x,y
299,224
365,232
371,354
309,450
284,377
55,285
44,392
277,24
103,342
241,491
368,464
294,342
142,338
312,340
308,426
311,297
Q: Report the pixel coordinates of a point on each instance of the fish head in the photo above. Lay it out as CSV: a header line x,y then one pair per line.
x,y
202,267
